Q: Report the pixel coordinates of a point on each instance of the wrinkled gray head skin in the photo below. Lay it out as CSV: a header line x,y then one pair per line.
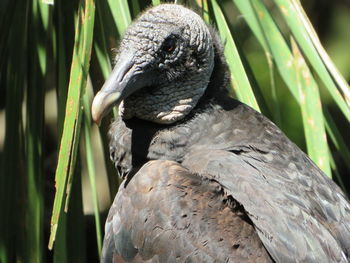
x,y
175,41
172,56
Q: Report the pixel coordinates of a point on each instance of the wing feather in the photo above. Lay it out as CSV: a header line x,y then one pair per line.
x,y
296,222
168,214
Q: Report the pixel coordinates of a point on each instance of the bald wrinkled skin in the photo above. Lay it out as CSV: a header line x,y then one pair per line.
x,y
207,178
191,61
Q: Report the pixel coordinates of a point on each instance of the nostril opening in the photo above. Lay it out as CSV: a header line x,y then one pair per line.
x,y
127,70
235,246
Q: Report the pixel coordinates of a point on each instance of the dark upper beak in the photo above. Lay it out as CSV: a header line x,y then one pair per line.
x,y
124,80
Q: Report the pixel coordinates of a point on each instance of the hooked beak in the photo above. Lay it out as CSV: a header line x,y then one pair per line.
x,y
124,80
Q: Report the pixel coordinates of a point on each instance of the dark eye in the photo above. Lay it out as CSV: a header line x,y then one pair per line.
x,y
169,45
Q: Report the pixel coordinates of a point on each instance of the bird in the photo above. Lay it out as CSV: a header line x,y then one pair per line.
x,y
206,178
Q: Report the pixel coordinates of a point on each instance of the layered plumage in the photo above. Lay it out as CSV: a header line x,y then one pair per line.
x,y
206,178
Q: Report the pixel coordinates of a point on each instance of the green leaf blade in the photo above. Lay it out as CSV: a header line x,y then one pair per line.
x,y
314,52
311,109
239,77
77,84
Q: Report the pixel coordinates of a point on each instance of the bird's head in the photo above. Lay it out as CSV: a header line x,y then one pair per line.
x,y
162,68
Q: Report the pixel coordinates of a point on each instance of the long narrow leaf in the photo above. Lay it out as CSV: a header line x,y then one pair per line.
x,y
342,84
77,83
314,51
271,37
246,8
240,80
311,109
60,253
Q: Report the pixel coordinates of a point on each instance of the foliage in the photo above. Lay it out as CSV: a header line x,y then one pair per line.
x,y
278,66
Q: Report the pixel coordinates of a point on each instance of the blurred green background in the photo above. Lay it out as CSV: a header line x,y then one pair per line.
x,y
38,40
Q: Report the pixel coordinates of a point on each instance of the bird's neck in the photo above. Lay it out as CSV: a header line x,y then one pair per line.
x,y
220,77
135,141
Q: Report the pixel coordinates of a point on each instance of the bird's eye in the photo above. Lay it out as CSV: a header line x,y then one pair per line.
x,y
169,45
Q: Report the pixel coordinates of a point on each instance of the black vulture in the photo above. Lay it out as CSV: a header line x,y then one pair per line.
x,y
206,178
